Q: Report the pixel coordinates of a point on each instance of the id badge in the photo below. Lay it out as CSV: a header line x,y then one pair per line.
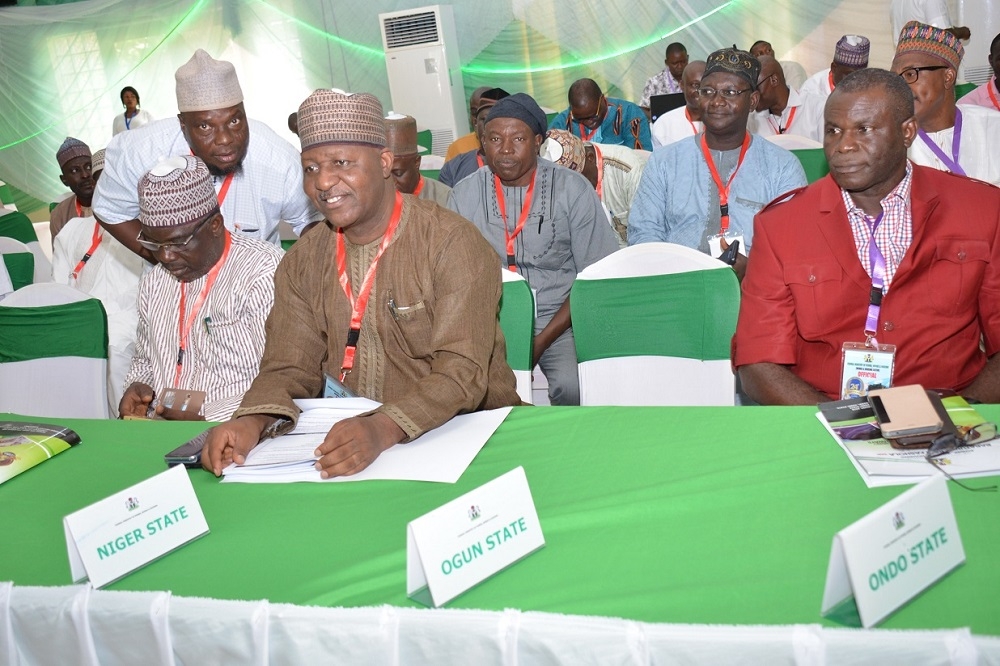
x,y
715,244
863,368
334,388
182,400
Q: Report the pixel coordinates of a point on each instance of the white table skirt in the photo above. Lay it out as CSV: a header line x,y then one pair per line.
x,y
79,625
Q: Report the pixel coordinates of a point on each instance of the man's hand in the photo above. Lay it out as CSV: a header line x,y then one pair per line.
x,y
740,267
232,441
136,400
353,444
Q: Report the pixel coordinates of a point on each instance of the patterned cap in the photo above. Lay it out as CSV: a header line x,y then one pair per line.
x,y
71,148
206,84
401,134
852,51
522,107
334,116
176,191
97,161
733,61
923,38
564,148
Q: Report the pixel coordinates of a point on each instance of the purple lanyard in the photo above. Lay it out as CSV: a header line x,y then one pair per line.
x,y
878,270
952,162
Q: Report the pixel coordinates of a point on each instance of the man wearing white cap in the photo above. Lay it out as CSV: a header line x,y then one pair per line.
x,y
258,183
202,309
850,55
391,298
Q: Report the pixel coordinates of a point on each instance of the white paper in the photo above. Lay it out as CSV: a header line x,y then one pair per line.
x,y
462,543
133,527
441,455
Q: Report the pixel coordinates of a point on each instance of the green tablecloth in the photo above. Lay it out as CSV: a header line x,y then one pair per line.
x,y
684,515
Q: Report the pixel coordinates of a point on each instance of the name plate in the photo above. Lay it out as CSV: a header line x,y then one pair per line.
x,y
458,545
121,533
893,554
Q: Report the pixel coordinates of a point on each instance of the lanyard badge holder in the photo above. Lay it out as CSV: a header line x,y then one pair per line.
x,y
715,242
868,365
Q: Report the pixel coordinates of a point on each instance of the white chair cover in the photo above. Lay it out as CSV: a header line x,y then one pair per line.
x,y
63,386
642,379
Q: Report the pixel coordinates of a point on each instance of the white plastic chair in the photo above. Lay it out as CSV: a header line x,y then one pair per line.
x,y
53,353
652,324
17,226
17,265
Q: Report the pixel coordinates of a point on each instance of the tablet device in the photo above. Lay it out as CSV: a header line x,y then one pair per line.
x,y
660,104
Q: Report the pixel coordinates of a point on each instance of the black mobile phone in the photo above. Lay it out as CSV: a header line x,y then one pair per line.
x,y
189,453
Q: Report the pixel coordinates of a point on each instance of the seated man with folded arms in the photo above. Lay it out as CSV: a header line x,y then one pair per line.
x,y
395,297
882,252
87,257
401,141
202,308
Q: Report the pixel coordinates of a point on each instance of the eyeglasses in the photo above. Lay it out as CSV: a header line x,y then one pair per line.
x,y
593,118
911,74
177,246
945,444
728,93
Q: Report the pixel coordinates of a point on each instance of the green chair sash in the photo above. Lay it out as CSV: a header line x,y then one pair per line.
x,y
16,225
20,268
683,315
72,329
517,320
963,89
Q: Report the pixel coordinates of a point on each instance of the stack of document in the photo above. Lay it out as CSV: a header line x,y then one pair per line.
x,y
853,425
441,455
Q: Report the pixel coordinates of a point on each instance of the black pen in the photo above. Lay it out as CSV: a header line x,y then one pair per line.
x,y
541,218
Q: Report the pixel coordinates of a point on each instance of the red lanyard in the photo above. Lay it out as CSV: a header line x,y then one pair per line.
x,y
224,190
79,208
525,209
359,306
479,160
419,188
832,84
184,326
687,114
600,173
724,189
587,136
779,129
94,242
991,88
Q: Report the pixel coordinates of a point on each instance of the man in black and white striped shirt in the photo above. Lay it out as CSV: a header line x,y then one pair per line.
x,y
202,308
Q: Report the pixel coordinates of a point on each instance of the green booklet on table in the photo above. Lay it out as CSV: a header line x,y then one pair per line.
x,y
853,425
24,445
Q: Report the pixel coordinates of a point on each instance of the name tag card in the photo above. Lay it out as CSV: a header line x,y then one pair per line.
x,y
457,546
130,529
893,554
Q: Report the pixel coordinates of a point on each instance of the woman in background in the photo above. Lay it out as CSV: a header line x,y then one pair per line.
x,y
134,116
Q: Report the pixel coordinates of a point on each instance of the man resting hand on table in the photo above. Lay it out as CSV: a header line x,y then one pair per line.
x,y
202,307
929,282
423,339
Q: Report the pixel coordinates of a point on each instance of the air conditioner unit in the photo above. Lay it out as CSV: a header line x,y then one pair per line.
x,y
425,75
